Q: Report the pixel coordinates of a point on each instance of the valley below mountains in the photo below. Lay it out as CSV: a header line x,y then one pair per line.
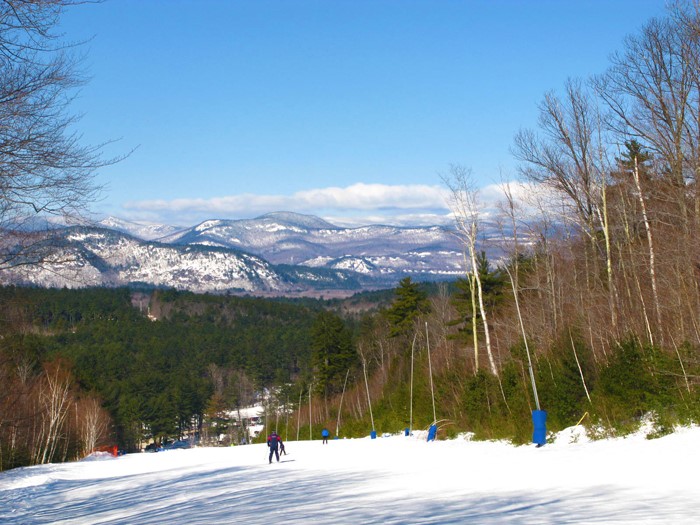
x,y
279,253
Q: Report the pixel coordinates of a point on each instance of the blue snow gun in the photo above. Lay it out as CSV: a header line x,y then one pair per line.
x,y
539,421
432,432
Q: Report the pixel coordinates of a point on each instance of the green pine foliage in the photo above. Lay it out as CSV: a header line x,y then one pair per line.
x,y
493,282
333,353
641,380
564,374
152,376
410,301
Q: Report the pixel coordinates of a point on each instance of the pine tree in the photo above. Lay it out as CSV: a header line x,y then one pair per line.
x,y
332,351
492,283
409,302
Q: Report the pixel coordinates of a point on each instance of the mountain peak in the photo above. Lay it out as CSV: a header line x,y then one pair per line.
x,y
147,231
298,219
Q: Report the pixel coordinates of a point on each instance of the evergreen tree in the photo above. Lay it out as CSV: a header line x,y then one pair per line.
x,y
634,154
492,283
332,351
409,302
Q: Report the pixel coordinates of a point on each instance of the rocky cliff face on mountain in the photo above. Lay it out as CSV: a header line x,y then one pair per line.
x,y
279,253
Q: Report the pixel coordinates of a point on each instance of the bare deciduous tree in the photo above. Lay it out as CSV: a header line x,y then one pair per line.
x,y
464,204
651,91
571,159
45,170
53,403
564,156
92,424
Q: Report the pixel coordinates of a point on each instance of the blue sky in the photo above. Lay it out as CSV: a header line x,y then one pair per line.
x,y
350,110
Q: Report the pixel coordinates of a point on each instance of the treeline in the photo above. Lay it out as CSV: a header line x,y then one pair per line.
x,y
598,296
425,373
154,379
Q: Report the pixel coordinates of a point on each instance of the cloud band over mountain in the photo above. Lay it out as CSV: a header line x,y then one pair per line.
x,y
356,202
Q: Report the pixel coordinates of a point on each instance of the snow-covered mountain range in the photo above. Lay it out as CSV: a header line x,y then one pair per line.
x,y
277,253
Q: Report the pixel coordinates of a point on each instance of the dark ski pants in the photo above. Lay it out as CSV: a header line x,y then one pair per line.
x,y
275,452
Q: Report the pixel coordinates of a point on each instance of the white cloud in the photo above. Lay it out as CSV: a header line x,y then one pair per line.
x,y
355,205
348,204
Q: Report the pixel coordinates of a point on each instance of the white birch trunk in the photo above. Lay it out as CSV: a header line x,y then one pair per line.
x,y
647,227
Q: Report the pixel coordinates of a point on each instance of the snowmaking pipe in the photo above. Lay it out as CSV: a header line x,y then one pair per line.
x,y
340,407
430,369
369,402
410,416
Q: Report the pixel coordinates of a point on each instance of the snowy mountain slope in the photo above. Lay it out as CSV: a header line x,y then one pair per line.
x,y
388,480
262,230
276,253
148,231
97,257
277,240
375,250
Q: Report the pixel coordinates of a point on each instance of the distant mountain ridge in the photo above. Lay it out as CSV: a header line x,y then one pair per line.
x,y
277,253
142,230
290,238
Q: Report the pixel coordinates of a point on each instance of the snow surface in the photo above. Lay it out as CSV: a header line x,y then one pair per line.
x,y
394,480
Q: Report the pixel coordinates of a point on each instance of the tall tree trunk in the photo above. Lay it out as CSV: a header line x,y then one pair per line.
x,y
652,255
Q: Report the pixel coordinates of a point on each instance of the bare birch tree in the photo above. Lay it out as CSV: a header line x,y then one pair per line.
x,y
650,244
54,402
92,424
512,269
464,204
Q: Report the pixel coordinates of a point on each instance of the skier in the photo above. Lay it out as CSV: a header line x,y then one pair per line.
x,y
324,434
273,442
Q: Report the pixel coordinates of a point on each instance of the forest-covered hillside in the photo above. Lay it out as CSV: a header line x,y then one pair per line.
x,y
106,344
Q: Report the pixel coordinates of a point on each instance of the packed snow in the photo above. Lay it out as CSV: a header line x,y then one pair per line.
x,y
393,479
